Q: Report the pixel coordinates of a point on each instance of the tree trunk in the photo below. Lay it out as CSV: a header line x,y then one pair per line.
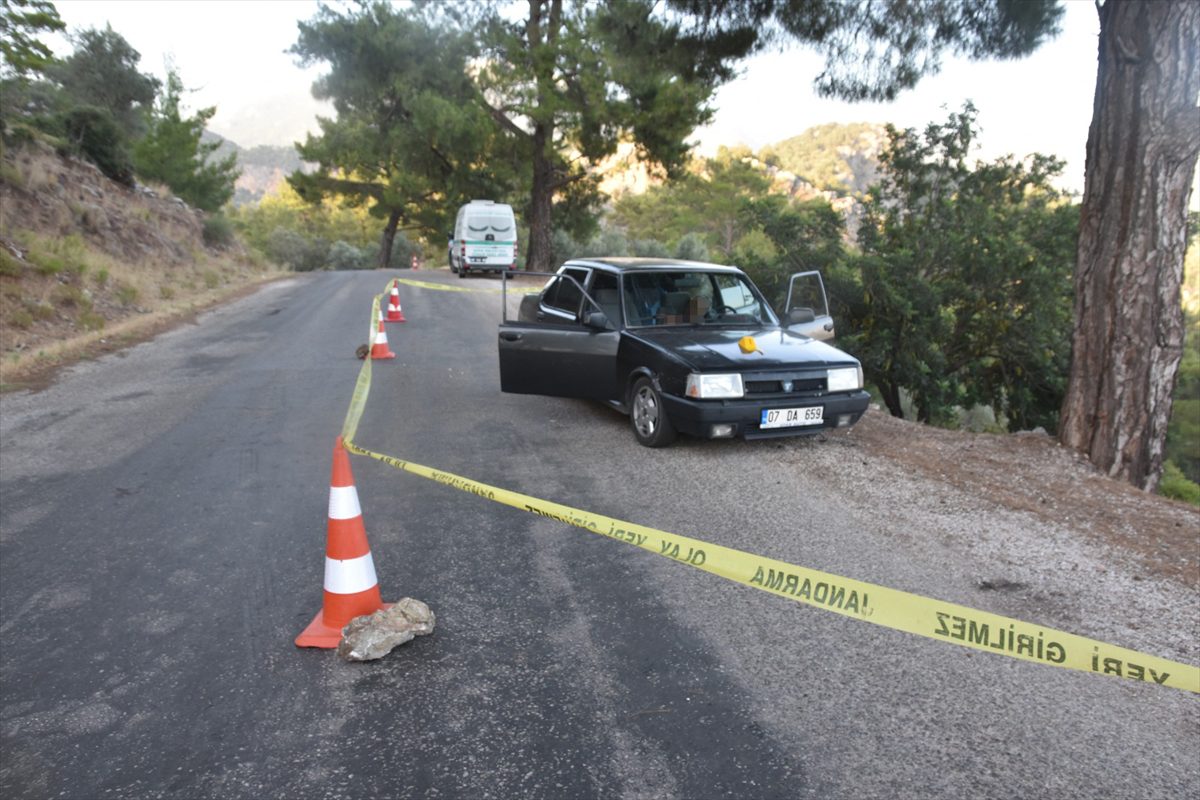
x,y
891,398
1141,157
540,257
389,237
545,17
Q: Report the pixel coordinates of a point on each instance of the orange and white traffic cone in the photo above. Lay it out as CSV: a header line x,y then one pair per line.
x,y
351,588
379,345
394,313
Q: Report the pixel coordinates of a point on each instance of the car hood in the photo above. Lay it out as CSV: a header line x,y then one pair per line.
x,y
713,348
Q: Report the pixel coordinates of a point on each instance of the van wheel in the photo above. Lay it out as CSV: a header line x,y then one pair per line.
x,y
648,416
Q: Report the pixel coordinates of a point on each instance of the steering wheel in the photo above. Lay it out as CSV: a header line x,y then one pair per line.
x,y
716,312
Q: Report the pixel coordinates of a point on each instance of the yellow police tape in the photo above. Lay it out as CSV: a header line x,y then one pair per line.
x,y
891,608
441,287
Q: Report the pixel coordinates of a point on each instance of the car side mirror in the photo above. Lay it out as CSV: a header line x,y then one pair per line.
x,y
597,320
798,316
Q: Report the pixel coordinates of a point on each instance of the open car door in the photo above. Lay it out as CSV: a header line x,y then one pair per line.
x,y
561,344
807,308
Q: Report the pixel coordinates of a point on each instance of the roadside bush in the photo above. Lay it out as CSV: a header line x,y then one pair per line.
x,y
564,246
402,252
46,264
343,255
10,267
69,296
649,248
1174,484
126,294
91,321
42,311
218,231
92,133
296,251
1183,432
609,242
692,247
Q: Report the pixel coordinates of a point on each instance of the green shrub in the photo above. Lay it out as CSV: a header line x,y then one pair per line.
x,y
218,231
343,255
92,133
69,296
692,247
20,319
126,294
1174,484
649,248
11,175
211,279
46,264
166,293
296,251
91,321
101,277
10,267
42,311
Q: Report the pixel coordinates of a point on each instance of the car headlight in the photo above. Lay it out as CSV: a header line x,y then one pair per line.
x,y
844,379
714,387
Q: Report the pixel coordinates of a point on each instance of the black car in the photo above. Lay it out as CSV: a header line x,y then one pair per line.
x,y
682,346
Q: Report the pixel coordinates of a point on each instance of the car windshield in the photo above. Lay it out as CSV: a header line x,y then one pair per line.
x,y
692,297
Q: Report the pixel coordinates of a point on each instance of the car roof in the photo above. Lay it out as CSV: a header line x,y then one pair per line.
x,y
630,264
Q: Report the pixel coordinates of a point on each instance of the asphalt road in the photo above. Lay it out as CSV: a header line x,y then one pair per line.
x,y
161,544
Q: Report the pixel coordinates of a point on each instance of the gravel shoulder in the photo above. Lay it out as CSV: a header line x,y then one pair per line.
x,y
1034,474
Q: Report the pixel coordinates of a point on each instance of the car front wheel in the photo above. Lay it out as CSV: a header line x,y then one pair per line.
x,y
648,416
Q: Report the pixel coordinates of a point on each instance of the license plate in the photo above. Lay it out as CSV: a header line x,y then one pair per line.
x,y
792,417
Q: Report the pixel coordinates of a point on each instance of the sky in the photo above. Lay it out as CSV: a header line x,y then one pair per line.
x,y
232,54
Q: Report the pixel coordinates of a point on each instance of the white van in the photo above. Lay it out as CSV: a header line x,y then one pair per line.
x,y
484,238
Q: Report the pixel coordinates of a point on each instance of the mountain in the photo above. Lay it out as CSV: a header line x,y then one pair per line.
x,y
263,167
838,158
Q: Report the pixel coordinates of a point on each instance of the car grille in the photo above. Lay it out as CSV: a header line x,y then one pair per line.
x,y
799,387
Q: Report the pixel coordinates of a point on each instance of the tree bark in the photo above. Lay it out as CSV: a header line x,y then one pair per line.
x,y
540,257
891,398
1141,158
389,237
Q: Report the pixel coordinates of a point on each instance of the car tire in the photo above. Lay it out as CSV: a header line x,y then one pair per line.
x,y
648,415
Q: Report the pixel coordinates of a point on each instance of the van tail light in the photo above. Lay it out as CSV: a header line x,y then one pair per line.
x,y
463,242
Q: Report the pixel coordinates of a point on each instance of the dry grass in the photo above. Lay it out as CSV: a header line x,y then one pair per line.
x,y
86,264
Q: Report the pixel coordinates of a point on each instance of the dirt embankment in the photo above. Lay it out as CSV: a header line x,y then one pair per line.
x,y
1034,474
87,264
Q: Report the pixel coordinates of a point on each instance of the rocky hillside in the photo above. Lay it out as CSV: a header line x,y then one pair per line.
x,y
264,168
835,158
86,261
